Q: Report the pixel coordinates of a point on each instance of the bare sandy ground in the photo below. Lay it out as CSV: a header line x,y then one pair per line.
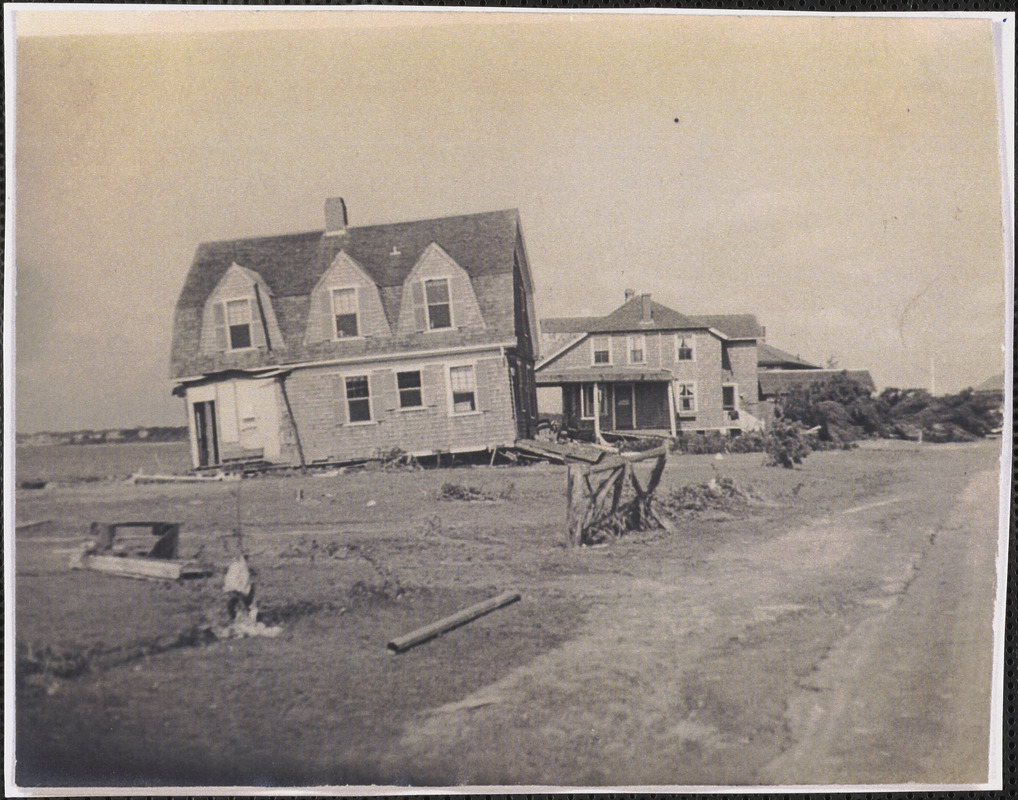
x,y
840,636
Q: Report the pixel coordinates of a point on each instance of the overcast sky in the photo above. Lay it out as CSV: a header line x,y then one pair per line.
x,y
839,178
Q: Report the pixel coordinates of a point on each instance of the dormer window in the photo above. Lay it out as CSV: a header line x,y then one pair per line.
x,y
238,321
436,293
344,313
684,348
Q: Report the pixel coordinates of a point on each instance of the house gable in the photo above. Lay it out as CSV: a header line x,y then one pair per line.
x,y
345,274
421,305
241,298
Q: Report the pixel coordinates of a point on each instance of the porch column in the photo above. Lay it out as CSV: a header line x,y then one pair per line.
x,y
671,409
597,414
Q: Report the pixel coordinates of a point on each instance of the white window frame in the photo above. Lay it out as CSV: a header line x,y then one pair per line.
x,y
678,397
357,312
346,399
250,324
420,388
449,392
599,388
630,341
427,305
594,340
691,340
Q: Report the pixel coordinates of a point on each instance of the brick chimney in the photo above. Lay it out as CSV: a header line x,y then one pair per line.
x,y
335,216
645,307
630,294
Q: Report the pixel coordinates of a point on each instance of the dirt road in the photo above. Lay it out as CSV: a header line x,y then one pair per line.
x,y
853,650
907,694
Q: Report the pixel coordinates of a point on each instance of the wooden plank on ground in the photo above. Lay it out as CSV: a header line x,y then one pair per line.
x,y
149,569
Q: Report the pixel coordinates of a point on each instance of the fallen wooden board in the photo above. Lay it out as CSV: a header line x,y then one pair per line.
x,y
140,478
561,451
421,635
27,526
145,568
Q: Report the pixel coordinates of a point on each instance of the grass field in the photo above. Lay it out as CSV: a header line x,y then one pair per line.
x,y
100,461
348,561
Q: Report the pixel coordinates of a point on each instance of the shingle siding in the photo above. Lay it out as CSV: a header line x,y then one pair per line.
x,y
328,436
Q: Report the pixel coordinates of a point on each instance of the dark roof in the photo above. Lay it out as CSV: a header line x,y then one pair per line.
x,y
734,326
569,324
630,317
292,264
482,244
770,356
781,381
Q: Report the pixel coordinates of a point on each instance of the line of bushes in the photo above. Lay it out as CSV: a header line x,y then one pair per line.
x,y
845,411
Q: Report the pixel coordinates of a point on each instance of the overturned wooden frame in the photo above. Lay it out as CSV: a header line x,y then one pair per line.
x,y
592,500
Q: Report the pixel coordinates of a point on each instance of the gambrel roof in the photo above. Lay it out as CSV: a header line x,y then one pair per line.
x,y
486,245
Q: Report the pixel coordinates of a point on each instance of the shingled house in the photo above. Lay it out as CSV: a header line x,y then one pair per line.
x,y
646,367
346,343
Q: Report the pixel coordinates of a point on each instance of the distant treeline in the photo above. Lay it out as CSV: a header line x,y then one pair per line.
x,y
159,433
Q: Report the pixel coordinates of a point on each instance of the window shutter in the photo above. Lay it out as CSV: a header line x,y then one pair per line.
x,y
420,312
219,318
456,305
482,386
378,385
339,398
257,326
328,325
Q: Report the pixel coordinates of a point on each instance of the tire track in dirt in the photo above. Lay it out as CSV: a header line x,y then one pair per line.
x,y
644,696
905,698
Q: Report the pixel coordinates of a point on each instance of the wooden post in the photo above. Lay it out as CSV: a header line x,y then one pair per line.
x,y
671,409
576,504
293,423
597,413
403,643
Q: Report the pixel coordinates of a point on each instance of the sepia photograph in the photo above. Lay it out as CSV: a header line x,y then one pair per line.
x,y
412,399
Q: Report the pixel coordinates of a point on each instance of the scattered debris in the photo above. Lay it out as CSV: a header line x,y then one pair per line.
x,y
110,550
457,491
371,504
139,477
239,590
595,509
428,632
561,452
720,494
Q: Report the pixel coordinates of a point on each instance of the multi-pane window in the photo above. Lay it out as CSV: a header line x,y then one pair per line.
x,y
602,351
358,398
464,391
238,318
436,293
409,385
684,348
685,397
636,345
344,312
